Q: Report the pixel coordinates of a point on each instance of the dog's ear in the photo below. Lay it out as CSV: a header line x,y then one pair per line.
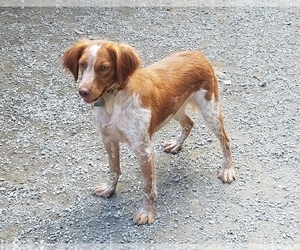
x,y
127,61
71,57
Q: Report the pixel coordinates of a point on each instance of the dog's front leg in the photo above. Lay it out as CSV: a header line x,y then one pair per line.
x,y
113,150
145,157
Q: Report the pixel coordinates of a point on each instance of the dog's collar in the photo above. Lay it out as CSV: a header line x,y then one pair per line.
x,y
113,88
99,103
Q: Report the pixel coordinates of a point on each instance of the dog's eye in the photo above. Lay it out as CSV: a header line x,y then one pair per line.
x,y
103,67
81,65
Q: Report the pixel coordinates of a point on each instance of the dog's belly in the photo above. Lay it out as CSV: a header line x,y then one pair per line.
x,y
166,121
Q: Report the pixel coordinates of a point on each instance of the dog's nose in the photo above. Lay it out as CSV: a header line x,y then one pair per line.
x,y
84,92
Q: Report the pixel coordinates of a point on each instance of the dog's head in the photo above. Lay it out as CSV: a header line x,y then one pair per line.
x,y
102,64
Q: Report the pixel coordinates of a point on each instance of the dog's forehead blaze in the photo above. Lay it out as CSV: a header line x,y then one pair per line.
x,y
90,54
93,50
97,55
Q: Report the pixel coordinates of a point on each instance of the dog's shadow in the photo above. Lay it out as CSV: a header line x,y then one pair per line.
x,y
181,181
91,219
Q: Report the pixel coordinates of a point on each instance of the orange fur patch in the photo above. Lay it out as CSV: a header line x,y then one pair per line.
x,y
164,86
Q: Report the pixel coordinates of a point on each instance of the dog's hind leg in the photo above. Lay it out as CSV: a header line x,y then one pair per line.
x,y
174,146
211,112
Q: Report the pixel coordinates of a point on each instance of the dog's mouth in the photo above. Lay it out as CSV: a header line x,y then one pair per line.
x,y
95,100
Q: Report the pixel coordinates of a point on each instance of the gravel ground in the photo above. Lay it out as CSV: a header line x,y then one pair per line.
x,y
52,156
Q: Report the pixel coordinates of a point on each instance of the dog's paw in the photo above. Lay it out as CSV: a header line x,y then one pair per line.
x,y
143,216
104,190
227,175
172,147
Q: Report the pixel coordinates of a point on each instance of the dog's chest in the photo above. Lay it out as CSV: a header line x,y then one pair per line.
x,y
122,119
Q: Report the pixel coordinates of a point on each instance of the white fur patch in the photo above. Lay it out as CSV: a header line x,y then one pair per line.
x,y
89,73
122,118
209,109
93,51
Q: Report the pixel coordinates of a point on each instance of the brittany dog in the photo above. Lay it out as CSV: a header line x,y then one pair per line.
x,y
130,103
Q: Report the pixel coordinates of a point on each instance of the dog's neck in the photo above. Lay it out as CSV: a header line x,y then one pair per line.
x,y
113,89
109,93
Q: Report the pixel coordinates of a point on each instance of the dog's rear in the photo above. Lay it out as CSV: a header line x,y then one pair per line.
x,y
181,78
131,103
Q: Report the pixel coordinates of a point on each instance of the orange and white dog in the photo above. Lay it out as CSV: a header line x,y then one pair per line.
x,y
130,103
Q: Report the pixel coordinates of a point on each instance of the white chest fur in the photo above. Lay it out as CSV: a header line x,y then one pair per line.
x,y
122,117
